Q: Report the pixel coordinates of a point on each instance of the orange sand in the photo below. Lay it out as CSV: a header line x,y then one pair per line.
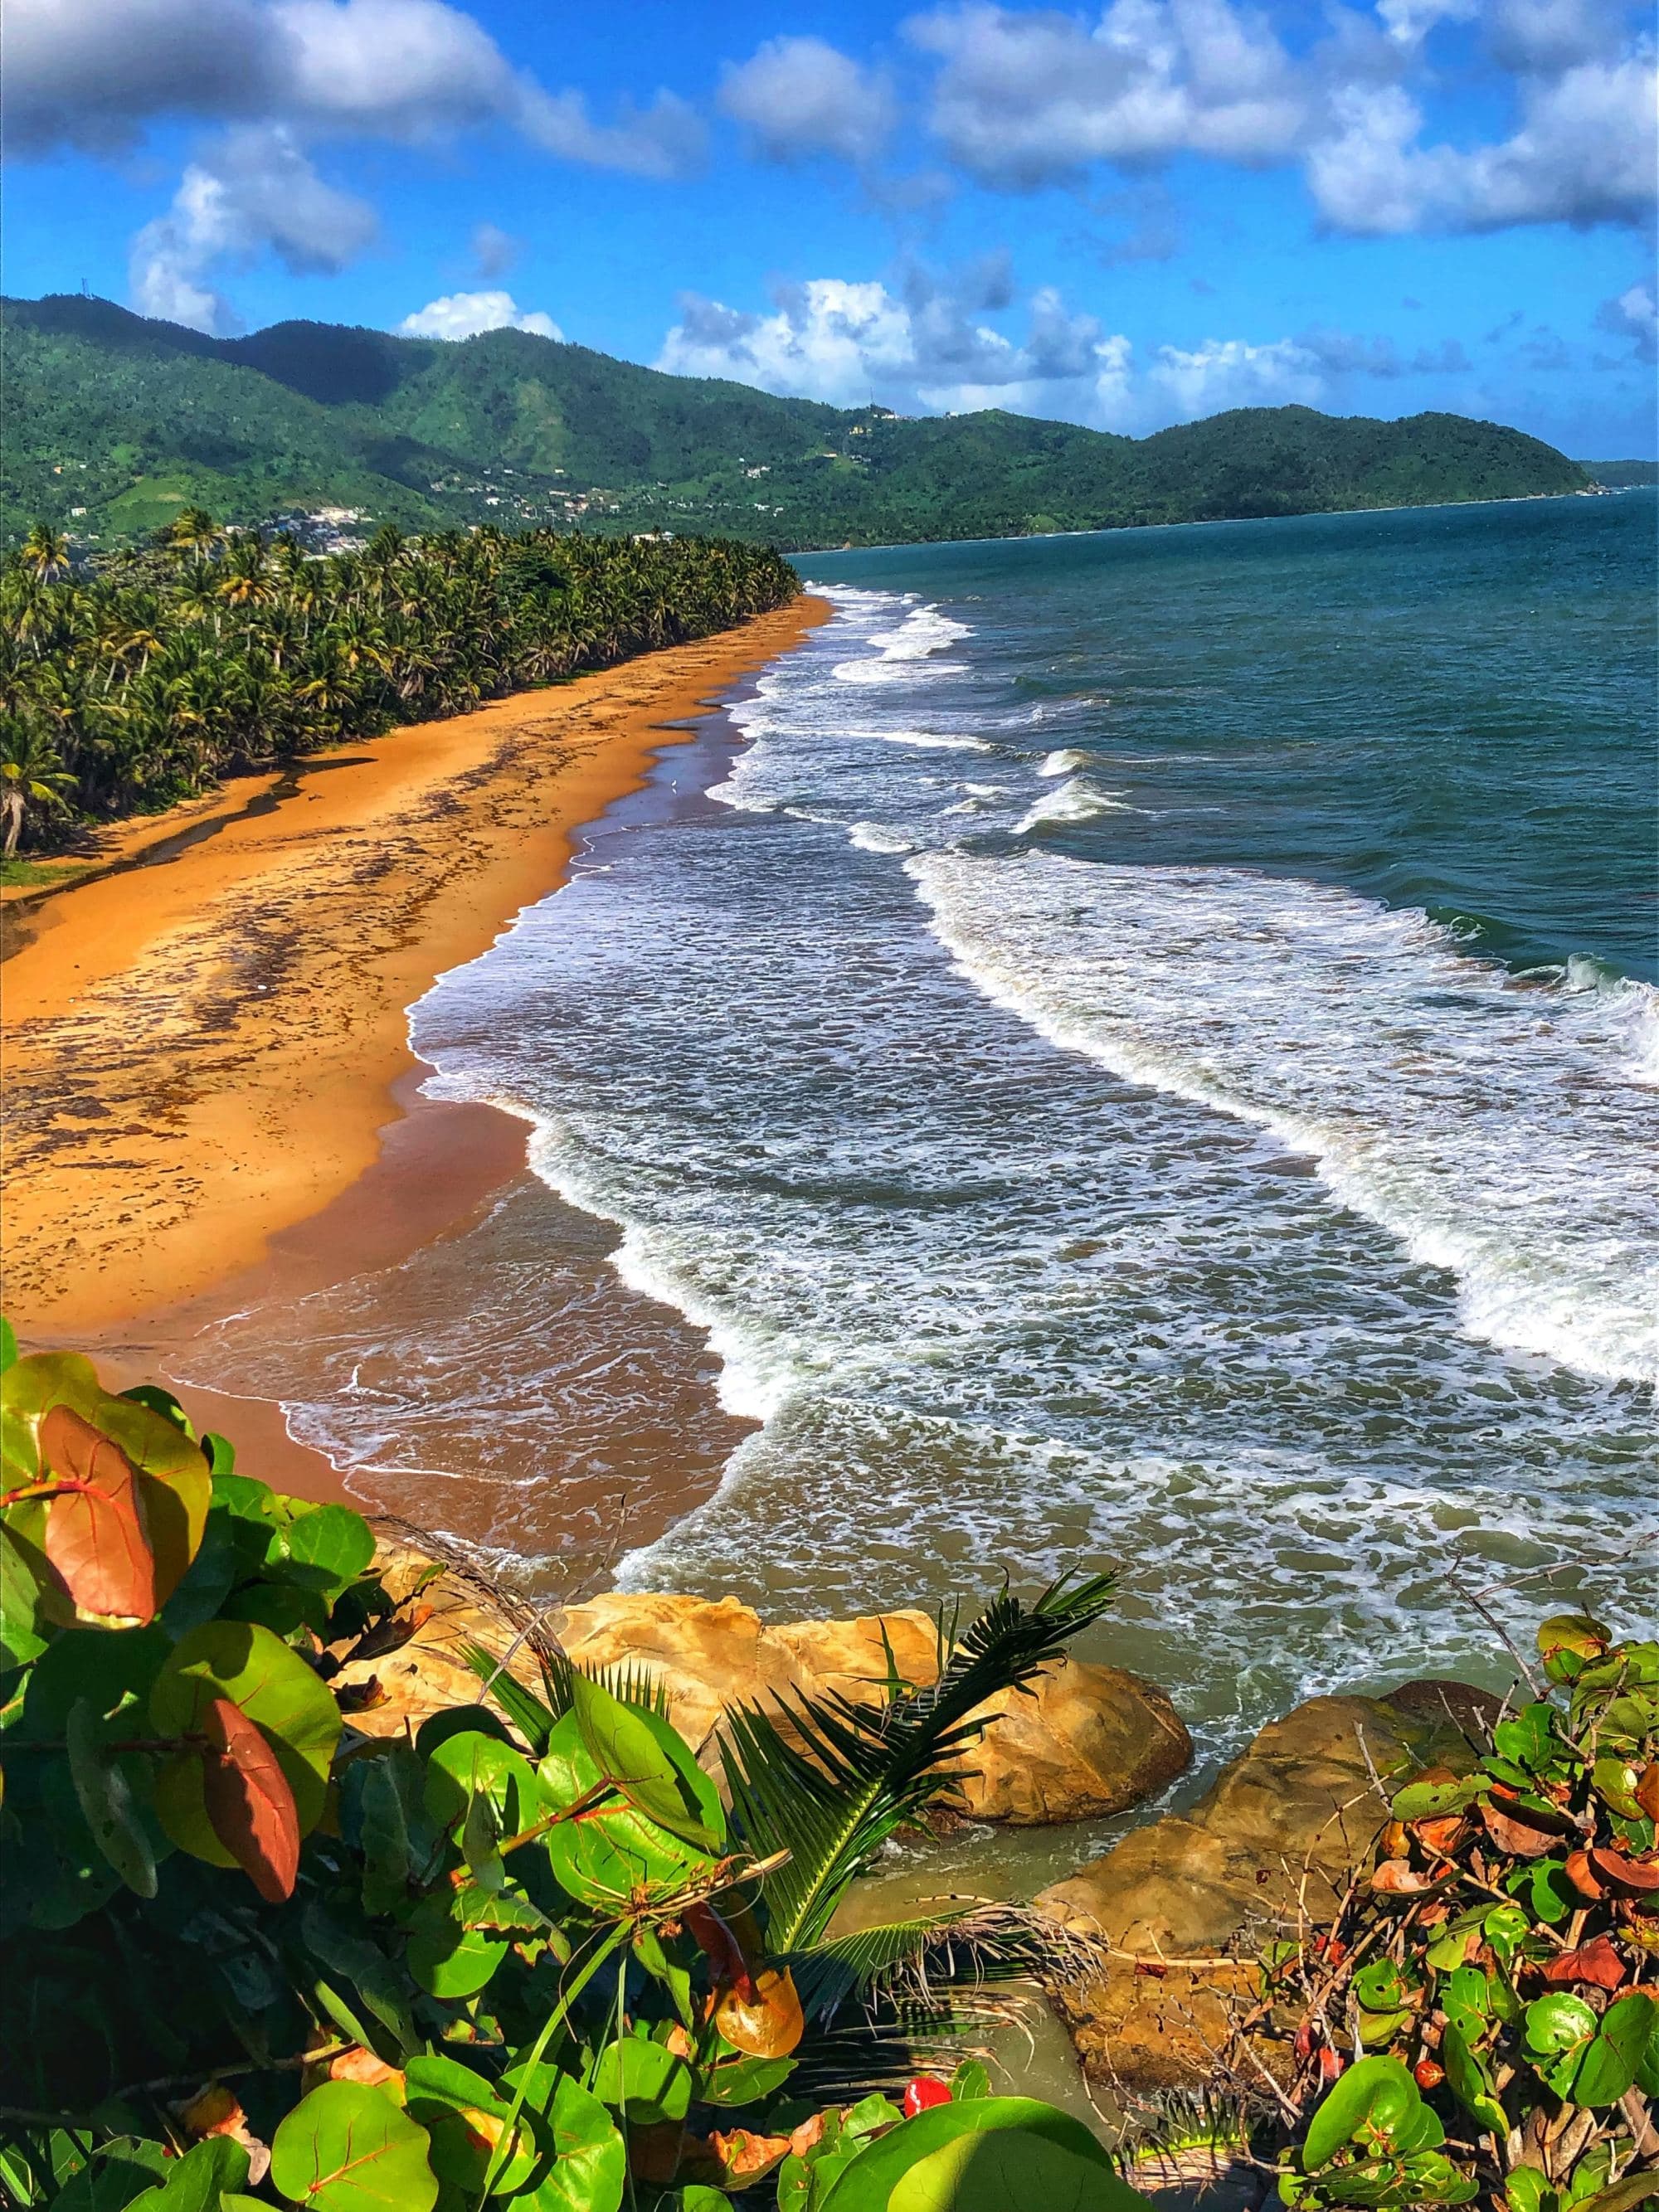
x,y
200,1050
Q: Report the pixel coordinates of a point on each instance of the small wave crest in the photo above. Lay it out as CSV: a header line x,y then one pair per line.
x,y
1075,801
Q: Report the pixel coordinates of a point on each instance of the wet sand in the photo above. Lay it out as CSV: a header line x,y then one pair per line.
x,y
211,1101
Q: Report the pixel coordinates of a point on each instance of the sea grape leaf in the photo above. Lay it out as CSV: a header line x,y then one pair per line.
x,y
255,1671
344,1950
331,1546
1469,2082
116,2172
610,1852
468,2122
348,2147
1377,2095
1608,2067
173,1482
473,1765
1001,2172
628,1747
250,1806
446,1958
394,1832
8,1345
870,2182
105,1795
195,2182
96,1533
20,1594
589,2167
643,2080
767,2020
742,2081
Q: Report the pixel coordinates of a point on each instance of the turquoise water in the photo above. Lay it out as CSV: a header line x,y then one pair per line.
x,y
1145,1051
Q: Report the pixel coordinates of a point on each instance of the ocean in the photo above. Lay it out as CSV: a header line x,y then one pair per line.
x,y
1136,1048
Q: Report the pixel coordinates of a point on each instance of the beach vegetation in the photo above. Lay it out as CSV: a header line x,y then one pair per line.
x,y
145,679
527,1955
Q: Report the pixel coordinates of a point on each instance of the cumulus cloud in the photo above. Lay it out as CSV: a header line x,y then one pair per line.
x,y
1584,154
922,345
1023,100
91,74
798,97
1027,98
1633,315
254,192
465,314
1224,372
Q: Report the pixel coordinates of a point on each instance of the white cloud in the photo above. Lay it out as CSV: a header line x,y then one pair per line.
x,y
1224,372
1585,153
254,192
91,75
1027,99
465,314
1633,315
799,96
923,346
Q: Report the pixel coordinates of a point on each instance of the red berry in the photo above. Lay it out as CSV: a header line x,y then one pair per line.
x,y
1330,2064
926,2089
1428,2073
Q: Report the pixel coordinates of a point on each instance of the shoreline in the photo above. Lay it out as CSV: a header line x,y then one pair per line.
x,y
211,1097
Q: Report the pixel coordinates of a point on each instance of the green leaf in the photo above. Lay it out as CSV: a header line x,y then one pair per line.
x,y
829,1781
611,1854
627,1747
1559,2029
1527,2189
1470,2083
468,2121
195,2182
1043,2160
347,2147
392,1817
106,1799
331,1546
470,1765
116,2173
642,2080
587,2171
742,2081
1425,1801
446,1958
971,2080
21,1615
1377,2095
1609,2067
1635,2188
7,1344
348,1952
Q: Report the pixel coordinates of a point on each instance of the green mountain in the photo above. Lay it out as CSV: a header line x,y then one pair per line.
x,y
115,421
1622,476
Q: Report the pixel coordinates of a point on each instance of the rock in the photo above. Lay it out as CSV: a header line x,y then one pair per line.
x,y
1089,1742
1271,1839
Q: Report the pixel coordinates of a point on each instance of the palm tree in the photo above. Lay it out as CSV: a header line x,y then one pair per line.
x,y
192,534
31,773
44,552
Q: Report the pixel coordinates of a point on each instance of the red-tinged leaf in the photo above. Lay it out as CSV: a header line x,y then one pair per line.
x,y
248,1800
1625,1873
1519,1837
1395,1878
1598,1964
1580,1873
728,1968
1647,1791
95,1535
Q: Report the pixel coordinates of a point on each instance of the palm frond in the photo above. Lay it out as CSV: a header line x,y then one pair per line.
x,y
831,1790
536,1719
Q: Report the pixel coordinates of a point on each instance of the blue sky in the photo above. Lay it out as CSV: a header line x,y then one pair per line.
x,y
1126,216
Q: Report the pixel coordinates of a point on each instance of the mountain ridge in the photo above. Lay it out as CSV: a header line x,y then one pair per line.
x,y
117,420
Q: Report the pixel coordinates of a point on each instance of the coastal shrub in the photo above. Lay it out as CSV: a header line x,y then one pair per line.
x,y
142,679
1486,2005
525,1957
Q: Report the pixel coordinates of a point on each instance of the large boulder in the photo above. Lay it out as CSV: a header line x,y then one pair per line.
x,y
1182,1906
1085,1741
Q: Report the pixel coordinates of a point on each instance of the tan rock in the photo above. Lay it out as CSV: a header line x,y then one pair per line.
x,y
1264,1852
1085,1742
1088,1741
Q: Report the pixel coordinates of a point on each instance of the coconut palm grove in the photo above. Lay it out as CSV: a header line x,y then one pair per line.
x,y
141,679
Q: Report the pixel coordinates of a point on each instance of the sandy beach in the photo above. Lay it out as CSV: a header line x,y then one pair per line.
x,y
210,1095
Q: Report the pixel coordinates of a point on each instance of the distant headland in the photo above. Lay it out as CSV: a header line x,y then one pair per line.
x,y
116,422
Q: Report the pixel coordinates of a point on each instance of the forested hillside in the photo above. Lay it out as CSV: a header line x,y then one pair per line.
x,y
115,422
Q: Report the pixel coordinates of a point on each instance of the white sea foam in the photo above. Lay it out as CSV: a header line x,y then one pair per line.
x,y
1075,801
1066,762
1490,1124
871,837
